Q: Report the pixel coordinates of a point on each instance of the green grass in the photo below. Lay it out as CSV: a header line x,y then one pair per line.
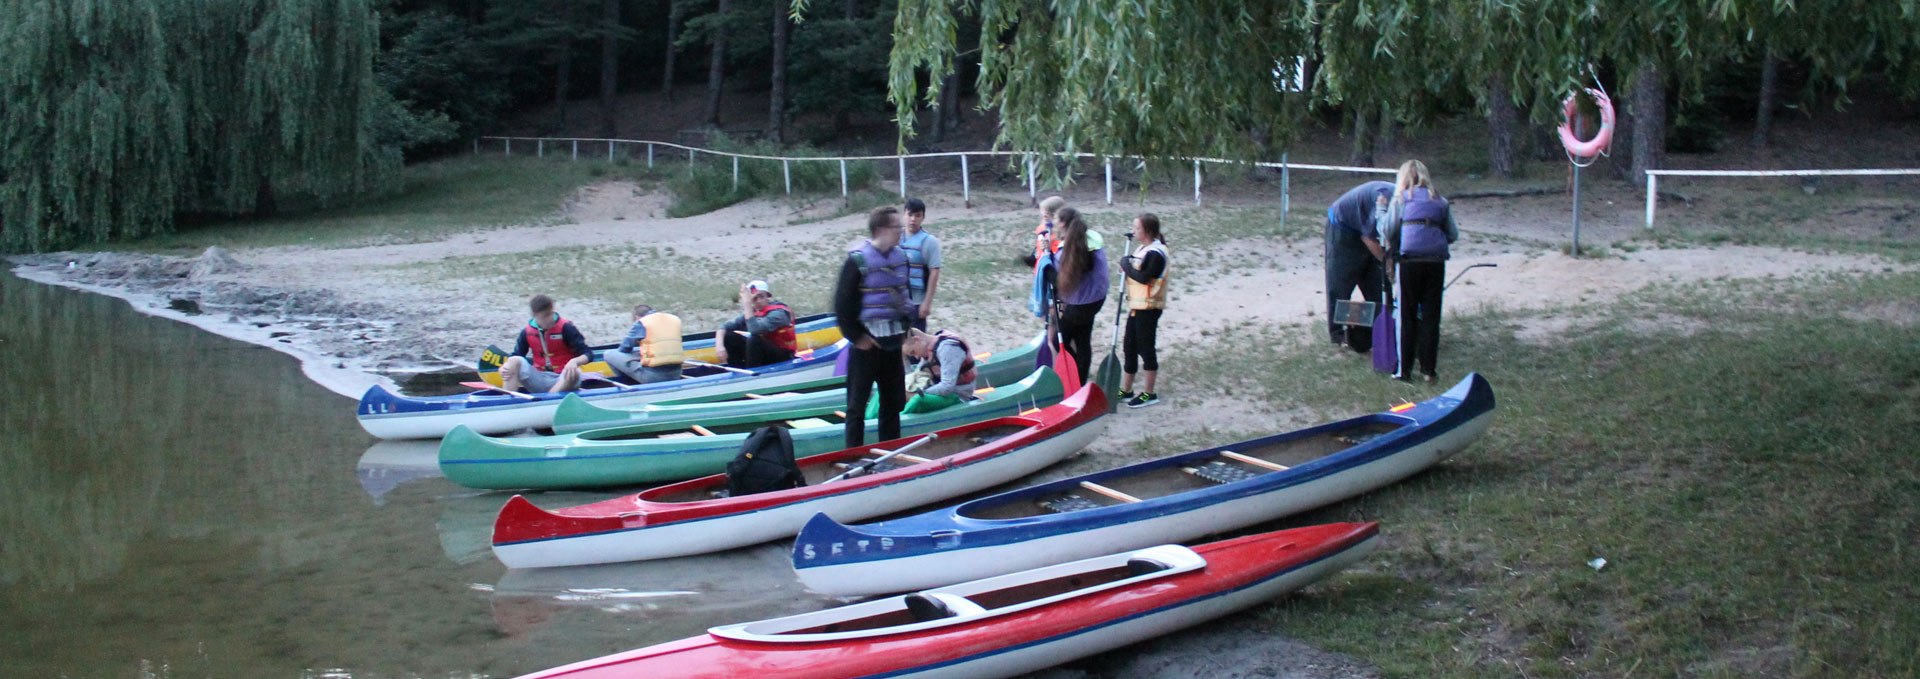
x,y
1747,468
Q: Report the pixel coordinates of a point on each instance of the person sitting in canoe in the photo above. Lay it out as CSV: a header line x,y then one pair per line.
x,y
945,375
547,354
761,335
651,351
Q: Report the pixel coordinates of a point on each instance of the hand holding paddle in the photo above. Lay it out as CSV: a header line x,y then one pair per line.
x,y
869,464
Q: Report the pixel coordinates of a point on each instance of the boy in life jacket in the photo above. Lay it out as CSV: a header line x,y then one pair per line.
x,y
870,304
761,335
547,354
923,262
946,370
1416,229
651,351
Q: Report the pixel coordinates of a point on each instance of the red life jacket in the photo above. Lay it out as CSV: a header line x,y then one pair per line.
x,y
548,349
967,375
784,337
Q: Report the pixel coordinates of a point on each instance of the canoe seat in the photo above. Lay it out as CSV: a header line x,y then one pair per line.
x,y
1221,472
924,608
1068,503
885,465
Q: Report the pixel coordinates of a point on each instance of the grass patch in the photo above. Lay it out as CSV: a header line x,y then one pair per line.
x,y
710,182
1746,468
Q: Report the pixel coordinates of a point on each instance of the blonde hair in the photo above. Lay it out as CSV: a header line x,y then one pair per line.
x,y
1413,173
1052,204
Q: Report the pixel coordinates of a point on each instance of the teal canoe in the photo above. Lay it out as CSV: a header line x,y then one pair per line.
x,y
655,452
578,415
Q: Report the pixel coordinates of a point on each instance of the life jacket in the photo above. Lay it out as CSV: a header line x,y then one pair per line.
x,y
915,245
548,348
1142,296
784,337
883,284
1423,225
765,464
661,347
967,373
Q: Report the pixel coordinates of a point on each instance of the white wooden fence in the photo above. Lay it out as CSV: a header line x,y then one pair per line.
x,y
1653,178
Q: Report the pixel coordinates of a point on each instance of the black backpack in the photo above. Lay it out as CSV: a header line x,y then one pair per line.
x,y
765,464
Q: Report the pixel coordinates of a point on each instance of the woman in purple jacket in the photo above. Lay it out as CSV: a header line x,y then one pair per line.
x,y
1082,281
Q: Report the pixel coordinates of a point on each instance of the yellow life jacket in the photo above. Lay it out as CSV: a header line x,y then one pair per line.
x,y
1143,296
661,347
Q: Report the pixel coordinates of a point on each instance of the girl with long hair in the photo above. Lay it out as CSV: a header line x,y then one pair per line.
x,y
1416,230
1081,280
1146,272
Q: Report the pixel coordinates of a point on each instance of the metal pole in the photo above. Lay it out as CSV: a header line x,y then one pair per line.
x,y
1286,190
1109,181
1196,182
649,156
966,182
903,176
576,149
1653,184
1576,211
786,170
540,148
843,178
609,150
509,146
736,173
1033,183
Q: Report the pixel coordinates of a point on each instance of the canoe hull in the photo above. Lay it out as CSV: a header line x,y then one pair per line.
x,y
940,479
945,547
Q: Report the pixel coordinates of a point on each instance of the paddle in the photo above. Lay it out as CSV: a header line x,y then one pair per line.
x,y
869,464
1108,375
728,368
1463,272
482,386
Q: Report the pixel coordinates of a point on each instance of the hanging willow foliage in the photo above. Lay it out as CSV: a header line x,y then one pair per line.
x,y
119,114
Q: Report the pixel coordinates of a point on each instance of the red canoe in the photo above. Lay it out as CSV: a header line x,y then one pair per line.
x,y
1010,624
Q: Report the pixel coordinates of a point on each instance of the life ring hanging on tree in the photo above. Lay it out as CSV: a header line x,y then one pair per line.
x,y
1601,141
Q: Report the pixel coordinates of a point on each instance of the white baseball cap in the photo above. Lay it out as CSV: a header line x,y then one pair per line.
x,y
758,286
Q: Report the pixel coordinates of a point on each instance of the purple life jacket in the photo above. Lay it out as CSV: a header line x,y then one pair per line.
x,y
883,284
1423,225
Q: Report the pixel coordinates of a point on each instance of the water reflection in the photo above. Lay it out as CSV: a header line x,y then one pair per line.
x,y
389,463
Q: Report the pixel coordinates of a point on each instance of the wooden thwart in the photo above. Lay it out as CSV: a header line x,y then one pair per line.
x,y
1257,462
703,431
1109,492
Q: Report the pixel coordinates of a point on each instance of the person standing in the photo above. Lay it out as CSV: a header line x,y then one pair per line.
x,y
1146,271
651,352
1354,256
871,304
1043,240
547,354
1082,282
923,262
1416,229
761,335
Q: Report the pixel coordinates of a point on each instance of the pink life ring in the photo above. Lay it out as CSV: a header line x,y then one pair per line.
x,y
1601,140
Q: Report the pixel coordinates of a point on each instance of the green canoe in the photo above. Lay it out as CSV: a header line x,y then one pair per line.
x,y
578,415
654,452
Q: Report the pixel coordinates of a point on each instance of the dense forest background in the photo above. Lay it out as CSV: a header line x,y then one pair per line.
x,y
121,118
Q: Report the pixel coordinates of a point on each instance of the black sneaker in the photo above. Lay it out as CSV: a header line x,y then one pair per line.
x,y
1123,396
1146,398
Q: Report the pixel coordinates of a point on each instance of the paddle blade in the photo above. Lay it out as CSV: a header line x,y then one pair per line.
x,y
1068,370
1108,377
1386,353
840,362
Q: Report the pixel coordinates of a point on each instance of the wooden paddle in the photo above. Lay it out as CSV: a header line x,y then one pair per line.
x,y
869,464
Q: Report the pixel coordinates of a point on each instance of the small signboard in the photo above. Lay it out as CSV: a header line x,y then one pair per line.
x,y
1348,312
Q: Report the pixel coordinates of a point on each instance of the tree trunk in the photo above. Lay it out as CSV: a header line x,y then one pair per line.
x,y
943,110
1503,119
563,67
609,68
1384,144
716,67
676,10
1362,154
950,100
1769,96
1649,120
265,205
777,107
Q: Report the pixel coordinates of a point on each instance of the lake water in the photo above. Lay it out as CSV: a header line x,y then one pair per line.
x,y
177,504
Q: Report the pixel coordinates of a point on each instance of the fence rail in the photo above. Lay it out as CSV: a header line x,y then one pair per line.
x,y
1653,178
1030,179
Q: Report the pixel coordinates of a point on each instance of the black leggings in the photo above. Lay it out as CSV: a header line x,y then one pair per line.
x,y
864,368
1142,326
1076,332
1421,284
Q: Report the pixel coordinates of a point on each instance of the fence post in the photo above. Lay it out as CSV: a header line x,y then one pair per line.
x,y
1286,190
540,148
1109,181
786,171
736,173
649,156
1653,183
843,179
1196,182
609,150
966,183
509,146
576,149
903,176
1033,184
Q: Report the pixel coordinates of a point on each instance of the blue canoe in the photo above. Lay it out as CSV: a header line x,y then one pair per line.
x,y
1159,501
